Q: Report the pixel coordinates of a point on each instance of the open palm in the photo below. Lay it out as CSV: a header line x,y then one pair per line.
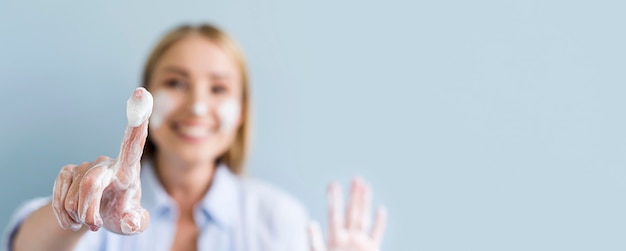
x,y
350,231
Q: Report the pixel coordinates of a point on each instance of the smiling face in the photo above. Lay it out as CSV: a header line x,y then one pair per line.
x,y
197,90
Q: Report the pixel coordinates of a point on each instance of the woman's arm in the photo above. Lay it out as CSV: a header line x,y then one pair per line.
x,y
41,231
104,193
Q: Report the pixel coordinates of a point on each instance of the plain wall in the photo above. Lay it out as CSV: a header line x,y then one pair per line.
x,y
482,125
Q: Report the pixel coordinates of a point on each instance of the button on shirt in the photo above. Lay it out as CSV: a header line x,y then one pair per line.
x,y
236,214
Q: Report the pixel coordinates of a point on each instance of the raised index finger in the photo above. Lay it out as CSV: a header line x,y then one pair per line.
x,y
138,110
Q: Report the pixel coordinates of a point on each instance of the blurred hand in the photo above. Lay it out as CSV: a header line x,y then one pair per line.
x,y
350,231
107,192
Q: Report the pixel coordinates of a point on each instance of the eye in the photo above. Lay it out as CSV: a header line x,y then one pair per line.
x,y
219,89
175,84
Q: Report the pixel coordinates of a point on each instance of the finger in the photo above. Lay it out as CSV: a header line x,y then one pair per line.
x,y
138,110
354,212
139,107
59,193
71,199
335,211
380,222
366,206
93,183
128,222
126,217
315,237
134,221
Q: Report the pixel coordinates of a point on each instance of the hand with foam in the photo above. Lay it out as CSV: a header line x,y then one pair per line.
x,y
107,192
350,232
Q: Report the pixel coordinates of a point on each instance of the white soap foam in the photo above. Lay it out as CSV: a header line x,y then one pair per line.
x,y
138,107
228,113
200,109
163,105
126,226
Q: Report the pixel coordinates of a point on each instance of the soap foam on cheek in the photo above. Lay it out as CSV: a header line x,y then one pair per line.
x,y
228,113
163,105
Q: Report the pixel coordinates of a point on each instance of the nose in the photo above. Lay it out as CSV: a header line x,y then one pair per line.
x,y
199,100
200,108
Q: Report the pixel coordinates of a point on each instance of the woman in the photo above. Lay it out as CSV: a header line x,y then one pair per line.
x,y
191,194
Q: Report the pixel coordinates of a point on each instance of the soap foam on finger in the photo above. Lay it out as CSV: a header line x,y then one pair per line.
x,y
139,107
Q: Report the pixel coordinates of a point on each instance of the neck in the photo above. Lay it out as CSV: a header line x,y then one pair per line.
x,y
185,182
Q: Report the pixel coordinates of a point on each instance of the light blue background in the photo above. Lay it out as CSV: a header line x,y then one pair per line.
x,y
482,125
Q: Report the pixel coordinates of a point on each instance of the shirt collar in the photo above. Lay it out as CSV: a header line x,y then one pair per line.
x,y
220,203
222,200
153,195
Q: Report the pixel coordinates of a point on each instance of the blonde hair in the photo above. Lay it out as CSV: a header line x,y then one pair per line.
x,y
235,156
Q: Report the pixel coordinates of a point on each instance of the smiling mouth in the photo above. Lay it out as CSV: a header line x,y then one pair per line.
x,y
195,132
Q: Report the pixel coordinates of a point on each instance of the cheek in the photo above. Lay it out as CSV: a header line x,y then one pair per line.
x,y
228,113
163,106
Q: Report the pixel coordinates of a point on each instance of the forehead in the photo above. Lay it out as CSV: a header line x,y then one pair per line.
x,y
199,56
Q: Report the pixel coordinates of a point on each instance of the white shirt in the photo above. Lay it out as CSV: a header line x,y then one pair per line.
x,y
236,214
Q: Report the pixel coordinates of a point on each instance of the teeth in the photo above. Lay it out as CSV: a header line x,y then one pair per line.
x,y
194,131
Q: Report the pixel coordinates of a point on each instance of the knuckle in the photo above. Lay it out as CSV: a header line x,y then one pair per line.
x,y
103,158
70,206
89,181
67,169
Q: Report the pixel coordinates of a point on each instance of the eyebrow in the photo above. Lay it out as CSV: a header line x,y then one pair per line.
x,y
220,75
216,75
176,70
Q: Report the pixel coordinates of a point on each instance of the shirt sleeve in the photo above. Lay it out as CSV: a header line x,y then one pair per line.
x,y
18,217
